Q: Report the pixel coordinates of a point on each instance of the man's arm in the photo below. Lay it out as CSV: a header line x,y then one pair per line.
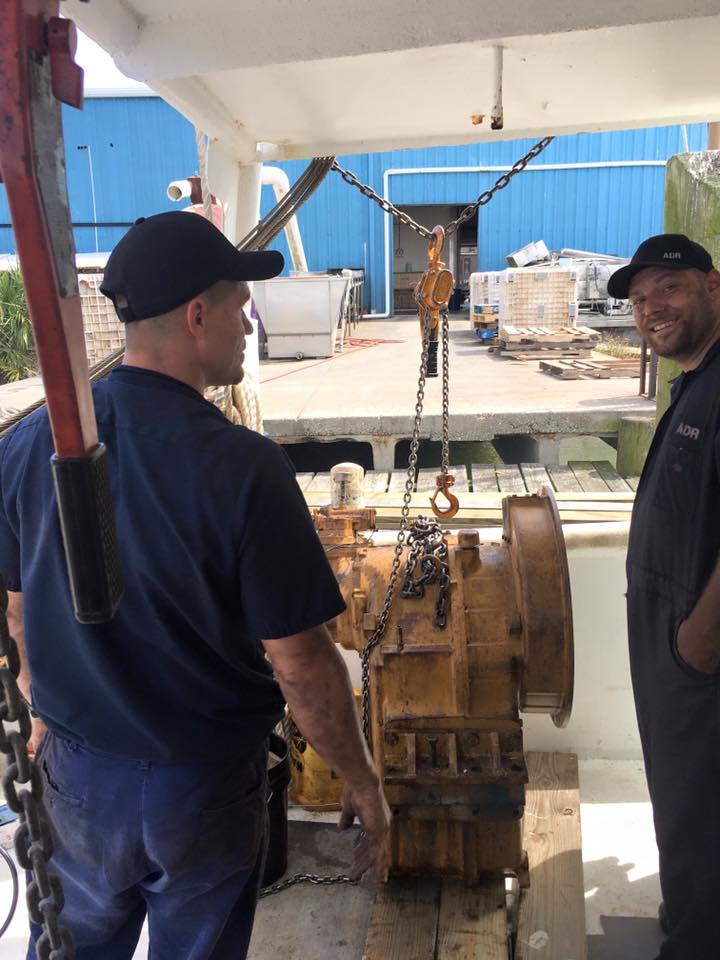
x,y
698,639
315,682
16,626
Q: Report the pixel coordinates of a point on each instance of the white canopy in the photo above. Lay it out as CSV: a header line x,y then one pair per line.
x,y
304,78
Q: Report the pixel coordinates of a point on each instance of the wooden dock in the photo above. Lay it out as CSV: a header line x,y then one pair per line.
x,y
433,919
585,491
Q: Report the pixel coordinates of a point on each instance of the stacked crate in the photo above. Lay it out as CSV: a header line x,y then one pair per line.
x,y
103,331
484,306
538,297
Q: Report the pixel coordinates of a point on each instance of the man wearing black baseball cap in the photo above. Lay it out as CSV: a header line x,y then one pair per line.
x,y
674,586
155,755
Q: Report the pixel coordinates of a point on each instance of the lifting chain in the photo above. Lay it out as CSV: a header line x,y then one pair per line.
x,y
33,844
400,542
466,214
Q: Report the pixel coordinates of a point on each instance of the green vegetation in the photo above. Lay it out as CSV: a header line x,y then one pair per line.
x,y
17,349
615,347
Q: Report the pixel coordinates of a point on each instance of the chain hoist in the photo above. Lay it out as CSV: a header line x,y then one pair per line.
x,y
428,548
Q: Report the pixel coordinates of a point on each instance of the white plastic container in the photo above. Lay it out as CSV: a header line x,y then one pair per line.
x,y
301,314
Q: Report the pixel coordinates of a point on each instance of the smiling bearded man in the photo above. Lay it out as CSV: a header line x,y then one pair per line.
x,y
674,586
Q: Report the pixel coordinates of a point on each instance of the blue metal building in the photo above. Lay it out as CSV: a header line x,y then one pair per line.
x,y
594,191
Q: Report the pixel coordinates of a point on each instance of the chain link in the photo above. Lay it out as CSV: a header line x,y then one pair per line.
x,y
305,878
33,844
428,554
445,333
466,214
367,191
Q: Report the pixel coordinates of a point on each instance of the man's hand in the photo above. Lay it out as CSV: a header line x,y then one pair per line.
x,y
699,648
371,809
38,732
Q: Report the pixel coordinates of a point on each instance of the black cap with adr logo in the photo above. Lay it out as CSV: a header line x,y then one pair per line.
x,y
165,260
672,251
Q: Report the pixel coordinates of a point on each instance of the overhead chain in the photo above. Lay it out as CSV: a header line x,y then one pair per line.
x,y
33,843
465,214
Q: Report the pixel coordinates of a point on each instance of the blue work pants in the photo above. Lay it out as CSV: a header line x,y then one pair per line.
x,y
181,844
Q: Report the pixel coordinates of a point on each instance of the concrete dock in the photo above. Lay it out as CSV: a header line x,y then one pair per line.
x,y
367,393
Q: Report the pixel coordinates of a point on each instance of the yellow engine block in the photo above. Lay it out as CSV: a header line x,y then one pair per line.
x,y
445,704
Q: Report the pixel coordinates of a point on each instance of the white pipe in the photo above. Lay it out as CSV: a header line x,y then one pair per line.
x,y
278,180
496,117
179,190
538,167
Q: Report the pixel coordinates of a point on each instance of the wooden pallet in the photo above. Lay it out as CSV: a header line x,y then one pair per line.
x,y
433,919
538,337
551,353
576,369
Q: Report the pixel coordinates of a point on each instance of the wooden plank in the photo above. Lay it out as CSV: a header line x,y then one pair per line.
x,y
587,476
472,923
397,480
376,481
535,476
551,923
427,479
403,923
632,482
509,478
566,352
319,484
563,479
483,477
462,484
304,479
612,478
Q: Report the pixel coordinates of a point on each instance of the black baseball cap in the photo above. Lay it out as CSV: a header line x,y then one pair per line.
x,y
165,260
674,251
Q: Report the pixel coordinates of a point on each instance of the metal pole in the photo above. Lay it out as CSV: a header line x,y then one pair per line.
x,y
652,386
643,368
86,146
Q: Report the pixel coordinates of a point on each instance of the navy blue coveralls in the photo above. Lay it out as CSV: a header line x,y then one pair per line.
x,y
673,550
155,761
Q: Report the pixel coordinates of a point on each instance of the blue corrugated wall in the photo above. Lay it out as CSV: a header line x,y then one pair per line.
x,y
139,144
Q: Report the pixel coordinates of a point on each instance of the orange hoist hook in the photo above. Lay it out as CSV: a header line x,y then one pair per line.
x,y
435,246
444,482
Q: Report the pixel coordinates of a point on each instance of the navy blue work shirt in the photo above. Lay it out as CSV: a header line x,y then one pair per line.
x,y
218,552
675,529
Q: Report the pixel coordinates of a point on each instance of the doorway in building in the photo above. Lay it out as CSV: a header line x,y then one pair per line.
x,y
409,258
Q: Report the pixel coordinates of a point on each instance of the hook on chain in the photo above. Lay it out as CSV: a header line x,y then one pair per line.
x,y
444,482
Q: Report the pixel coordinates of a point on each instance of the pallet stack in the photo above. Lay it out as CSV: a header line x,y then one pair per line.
x,y
543,343
104,333
537,297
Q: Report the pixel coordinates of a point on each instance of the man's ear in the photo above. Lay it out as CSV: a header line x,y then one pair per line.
x,y
195,318
713,284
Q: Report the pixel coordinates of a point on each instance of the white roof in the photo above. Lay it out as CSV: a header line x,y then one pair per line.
x,y
331,76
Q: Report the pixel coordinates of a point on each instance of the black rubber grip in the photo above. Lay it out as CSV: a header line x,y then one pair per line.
x,y
432,364
87,520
